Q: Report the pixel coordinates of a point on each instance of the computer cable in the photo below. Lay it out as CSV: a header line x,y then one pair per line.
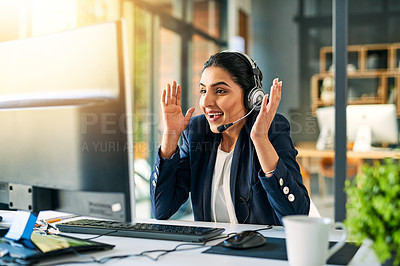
x,y
147,253
91,238
265,228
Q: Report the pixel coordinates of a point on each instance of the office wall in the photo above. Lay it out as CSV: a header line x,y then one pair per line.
x,y
10,16
233,15
275,47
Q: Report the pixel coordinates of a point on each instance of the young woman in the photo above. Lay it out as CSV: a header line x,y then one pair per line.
x,y
246,174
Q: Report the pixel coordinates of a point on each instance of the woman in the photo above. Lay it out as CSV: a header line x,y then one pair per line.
x,y
246,174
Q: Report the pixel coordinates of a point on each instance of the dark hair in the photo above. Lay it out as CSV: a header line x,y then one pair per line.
x,y
236,65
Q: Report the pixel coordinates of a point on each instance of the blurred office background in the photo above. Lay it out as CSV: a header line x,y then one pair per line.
x,y
171,40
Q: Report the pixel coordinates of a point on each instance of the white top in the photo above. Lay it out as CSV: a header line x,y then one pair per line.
x,y
222,209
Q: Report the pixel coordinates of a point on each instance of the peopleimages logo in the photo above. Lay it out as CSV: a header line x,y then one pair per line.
x,y
117,146
105,146
109,123
302,123
110,133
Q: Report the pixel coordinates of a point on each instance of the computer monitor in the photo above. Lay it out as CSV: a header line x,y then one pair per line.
x,y
326,124
66,117
367,125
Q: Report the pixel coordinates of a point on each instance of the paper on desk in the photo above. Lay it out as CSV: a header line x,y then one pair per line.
x,y
22,226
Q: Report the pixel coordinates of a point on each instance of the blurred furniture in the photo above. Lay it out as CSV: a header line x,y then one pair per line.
x,y
306,178
326,169
322,161
373,76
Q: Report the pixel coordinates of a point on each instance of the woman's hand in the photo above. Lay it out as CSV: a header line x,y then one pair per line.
x,y
267,112
266,153
173,119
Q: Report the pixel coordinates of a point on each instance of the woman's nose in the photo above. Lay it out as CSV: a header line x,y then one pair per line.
x,y
208,99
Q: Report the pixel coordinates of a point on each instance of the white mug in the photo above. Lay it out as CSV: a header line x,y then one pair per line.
x,y
307,239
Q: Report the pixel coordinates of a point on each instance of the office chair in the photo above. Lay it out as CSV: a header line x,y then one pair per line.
x,y
326,169
306,178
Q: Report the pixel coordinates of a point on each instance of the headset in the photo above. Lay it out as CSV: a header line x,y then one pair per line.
x,y
252,97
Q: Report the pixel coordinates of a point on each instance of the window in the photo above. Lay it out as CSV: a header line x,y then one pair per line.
x,y
169,40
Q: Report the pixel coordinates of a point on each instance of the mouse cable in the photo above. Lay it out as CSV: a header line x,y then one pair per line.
x,y
100,235
269,227
92,259
220,237
146,253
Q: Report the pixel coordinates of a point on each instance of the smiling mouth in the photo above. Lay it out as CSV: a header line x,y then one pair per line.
x,y
214,115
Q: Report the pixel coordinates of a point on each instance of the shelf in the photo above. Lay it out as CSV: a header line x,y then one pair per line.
x,y
395,62
375,57
353,58
362,88
373,73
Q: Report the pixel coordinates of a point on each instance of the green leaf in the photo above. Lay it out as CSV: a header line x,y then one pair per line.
x,y
373,207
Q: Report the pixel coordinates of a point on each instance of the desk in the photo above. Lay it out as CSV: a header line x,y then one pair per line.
x,y
308,150
309,158
124,246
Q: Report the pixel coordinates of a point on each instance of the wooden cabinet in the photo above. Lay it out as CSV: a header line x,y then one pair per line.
x,y
373,73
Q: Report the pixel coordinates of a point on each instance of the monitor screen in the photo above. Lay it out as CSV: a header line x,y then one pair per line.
x,y
367,125
66,115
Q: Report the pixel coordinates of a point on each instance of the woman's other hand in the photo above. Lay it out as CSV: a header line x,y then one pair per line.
x,y
173,119
267,111
259,133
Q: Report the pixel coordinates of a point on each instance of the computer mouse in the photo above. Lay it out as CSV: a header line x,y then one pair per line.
x,y
245,239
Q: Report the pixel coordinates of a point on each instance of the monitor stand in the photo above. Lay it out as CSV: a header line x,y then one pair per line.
x,y
363,139
325,139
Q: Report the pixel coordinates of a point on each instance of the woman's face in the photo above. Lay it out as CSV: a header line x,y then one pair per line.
x,y
221,99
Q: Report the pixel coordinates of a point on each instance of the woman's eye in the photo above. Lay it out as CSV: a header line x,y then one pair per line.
x,y
202,91
219,91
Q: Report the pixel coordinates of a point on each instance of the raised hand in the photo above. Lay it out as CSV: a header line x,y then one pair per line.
x,y
266,153
267,111
173,119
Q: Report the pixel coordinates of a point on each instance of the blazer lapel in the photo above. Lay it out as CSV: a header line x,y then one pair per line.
x,y
242,164
237,154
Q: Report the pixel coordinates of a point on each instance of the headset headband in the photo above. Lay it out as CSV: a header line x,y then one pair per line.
x,y
246,58
253,64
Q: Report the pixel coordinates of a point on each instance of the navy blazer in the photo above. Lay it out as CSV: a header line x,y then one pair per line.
x,y
263,200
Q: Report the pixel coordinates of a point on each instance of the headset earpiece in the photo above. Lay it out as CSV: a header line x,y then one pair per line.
x,y
253,98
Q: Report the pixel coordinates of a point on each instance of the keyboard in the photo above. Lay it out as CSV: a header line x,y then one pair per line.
x,y
140,230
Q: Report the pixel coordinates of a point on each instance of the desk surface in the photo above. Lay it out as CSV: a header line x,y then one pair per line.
x,y
308,149
124,246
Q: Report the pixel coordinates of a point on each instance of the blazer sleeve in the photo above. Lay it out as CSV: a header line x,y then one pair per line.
x,y
170,181
285,189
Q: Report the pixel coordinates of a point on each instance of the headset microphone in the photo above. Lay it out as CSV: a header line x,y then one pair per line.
x,y
224,127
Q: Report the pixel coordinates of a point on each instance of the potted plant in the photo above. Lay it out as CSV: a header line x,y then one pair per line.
x,y
373,209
